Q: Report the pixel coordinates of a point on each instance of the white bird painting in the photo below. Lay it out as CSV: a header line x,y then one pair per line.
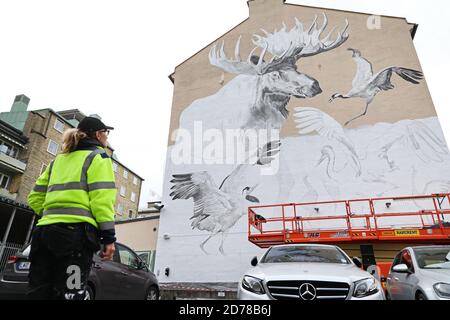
x,y
311,120
217,209
415,137
367,85
343,165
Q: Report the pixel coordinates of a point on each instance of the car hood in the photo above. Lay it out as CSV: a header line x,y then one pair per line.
x,y
308,271
441,275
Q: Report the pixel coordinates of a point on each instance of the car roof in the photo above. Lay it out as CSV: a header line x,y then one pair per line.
x,y
304,245
431,246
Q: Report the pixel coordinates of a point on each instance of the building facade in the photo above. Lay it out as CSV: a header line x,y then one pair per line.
x,y
13,145
344,94
141,233
43,130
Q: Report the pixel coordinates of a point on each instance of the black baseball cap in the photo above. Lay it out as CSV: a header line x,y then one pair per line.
x,y
92,124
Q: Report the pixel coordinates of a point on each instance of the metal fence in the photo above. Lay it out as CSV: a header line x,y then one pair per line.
x,y
7,250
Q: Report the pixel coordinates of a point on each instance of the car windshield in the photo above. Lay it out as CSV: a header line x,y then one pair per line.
x,y
305,254
433,258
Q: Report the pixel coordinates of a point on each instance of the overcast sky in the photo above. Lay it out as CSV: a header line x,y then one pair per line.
x,y
113,58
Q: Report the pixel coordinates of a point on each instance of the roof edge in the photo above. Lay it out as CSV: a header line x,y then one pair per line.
x,y
413,30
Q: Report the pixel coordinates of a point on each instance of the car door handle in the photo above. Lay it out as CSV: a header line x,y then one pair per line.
x,y
396,279
97,265
124,273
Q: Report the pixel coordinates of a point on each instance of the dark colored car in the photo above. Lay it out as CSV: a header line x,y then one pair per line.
x,y
126,277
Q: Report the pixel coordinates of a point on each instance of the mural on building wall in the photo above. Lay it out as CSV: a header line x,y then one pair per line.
x,y
217,209
325,161
258,96
366,85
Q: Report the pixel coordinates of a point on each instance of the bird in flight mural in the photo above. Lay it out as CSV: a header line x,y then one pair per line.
x,y
217,209
367,85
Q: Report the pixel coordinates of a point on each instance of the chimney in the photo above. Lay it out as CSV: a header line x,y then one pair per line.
x,y
20,103
18,114
263,6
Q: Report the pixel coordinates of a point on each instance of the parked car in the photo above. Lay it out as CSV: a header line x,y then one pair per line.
x,y
420,273
126,276
308,272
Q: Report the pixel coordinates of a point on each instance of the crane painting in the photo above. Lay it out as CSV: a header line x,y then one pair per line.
x,y
367,85
217,209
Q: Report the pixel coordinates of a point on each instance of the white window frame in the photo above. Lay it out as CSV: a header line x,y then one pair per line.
x,y
57,147
59,128
119,209
133,197
135,180
125,173
42,168
123,191
115,166
7,181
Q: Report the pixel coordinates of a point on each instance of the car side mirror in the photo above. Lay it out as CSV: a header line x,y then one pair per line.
x,y
142,265
401,268
357,261
254,261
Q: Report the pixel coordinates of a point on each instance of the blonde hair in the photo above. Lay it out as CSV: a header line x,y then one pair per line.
x,y
71,137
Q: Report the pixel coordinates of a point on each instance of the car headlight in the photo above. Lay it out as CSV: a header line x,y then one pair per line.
x,y
365,287
253,285
442,290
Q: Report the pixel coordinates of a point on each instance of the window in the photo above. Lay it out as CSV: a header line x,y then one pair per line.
x,y
313,254
123,191
59,126
125,173
127,257
406,259
8,149
115,166
120,209
52,147
133,197
44,166
396,260
135,180
432,257
4,180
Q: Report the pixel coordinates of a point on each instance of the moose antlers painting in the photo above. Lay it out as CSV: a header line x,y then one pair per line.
x,y
258,96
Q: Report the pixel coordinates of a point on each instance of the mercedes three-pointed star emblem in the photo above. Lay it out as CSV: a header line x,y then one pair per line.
x,y
307,291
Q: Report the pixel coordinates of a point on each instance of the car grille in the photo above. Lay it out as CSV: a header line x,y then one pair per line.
x,y
323,290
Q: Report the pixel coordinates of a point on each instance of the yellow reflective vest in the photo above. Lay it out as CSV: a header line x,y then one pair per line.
x,y
76,187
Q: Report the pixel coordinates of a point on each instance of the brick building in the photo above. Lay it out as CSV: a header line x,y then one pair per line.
x,y
38,139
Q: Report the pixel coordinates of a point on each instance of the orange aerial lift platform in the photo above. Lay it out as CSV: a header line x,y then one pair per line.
x,y
409,219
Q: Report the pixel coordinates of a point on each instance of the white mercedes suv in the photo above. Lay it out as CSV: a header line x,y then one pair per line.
x,y
308,272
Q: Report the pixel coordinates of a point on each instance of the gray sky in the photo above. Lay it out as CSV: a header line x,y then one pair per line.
x,y
113,57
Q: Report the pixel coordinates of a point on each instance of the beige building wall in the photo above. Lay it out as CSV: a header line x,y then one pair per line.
x,y
396,149
139,235
391,45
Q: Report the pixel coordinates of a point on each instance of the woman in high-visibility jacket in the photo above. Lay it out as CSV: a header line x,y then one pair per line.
x,y
74,198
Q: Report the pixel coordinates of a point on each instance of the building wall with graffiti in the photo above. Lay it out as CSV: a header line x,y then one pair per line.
x,y
295,104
